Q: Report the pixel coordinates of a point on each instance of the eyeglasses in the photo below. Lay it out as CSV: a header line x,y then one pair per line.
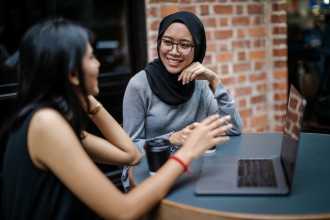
x,y
182,46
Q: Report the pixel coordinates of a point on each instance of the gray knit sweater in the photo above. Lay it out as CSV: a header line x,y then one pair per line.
x,y
146,117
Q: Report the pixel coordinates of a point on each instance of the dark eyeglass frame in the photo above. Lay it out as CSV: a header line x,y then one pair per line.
x,y
165,41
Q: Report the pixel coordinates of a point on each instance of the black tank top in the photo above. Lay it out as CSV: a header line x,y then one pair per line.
x,y
31,193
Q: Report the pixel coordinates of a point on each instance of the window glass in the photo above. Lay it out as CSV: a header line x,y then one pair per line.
x,y
107,19
309,57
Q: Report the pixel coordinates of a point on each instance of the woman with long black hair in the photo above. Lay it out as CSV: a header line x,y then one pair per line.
x,y
48,170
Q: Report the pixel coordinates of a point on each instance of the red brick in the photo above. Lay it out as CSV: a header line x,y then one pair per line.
x,y
154,53
224,57
225,34
191,9
257,32
261,129
258,20
258,99
204,9
153,39
259,121
280,96
245,113
207,59
224,69
228,80
280,86
280,74
203,1
209,22
262,88
278,128
223,9
279,30
154,25
211,47
239,9
259,65
278,18
166,10
257,55
280,52
280,107
153,12
246,124
223,46
241,33
255,9
279,41
242,67
162,1
242,103
279,6
242,79
280,64
258,77
259,43
209,35
239,44
223,22
243,91
241,56
241,20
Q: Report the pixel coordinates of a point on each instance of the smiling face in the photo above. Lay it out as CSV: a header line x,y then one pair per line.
x,y
90,68
177,56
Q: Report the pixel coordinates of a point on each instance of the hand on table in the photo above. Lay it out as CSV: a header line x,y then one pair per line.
x,y
179,137
211,131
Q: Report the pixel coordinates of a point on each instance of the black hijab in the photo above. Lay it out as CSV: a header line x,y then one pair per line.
x,y
164,84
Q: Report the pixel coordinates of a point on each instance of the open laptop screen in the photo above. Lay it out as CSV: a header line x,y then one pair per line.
x,y
291,134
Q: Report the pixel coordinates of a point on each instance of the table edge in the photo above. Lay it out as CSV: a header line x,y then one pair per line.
x,y
232,215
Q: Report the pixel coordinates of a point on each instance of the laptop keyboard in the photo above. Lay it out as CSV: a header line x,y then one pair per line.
x,y
256,173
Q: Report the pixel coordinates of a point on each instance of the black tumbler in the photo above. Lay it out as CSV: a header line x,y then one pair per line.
x,y
157,152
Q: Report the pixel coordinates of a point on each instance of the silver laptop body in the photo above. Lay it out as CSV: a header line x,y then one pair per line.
x,y
220,175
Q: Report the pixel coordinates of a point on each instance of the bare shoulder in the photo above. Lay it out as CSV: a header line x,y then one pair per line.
x,y
47,118
48,135
49,124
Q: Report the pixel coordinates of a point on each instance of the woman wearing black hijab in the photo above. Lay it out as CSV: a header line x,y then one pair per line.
x,y
176,89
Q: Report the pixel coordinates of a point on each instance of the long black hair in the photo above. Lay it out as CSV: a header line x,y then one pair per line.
x,y
49,52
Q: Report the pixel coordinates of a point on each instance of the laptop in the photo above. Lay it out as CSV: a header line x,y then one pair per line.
x,y
257,175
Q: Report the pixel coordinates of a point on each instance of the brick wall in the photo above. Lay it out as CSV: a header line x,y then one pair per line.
x,y
246,46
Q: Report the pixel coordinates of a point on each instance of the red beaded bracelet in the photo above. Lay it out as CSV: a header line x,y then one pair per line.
x,y
183,164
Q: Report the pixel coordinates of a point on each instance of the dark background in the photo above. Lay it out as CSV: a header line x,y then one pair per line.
x,y
120,45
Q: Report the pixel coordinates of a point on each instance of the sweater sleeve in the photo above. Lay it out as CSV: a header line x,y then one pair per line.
x,y
223,103
134,112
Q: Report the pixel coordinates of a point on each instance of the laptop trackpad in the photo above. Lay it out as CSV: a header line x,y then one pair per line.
x,y
218,173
